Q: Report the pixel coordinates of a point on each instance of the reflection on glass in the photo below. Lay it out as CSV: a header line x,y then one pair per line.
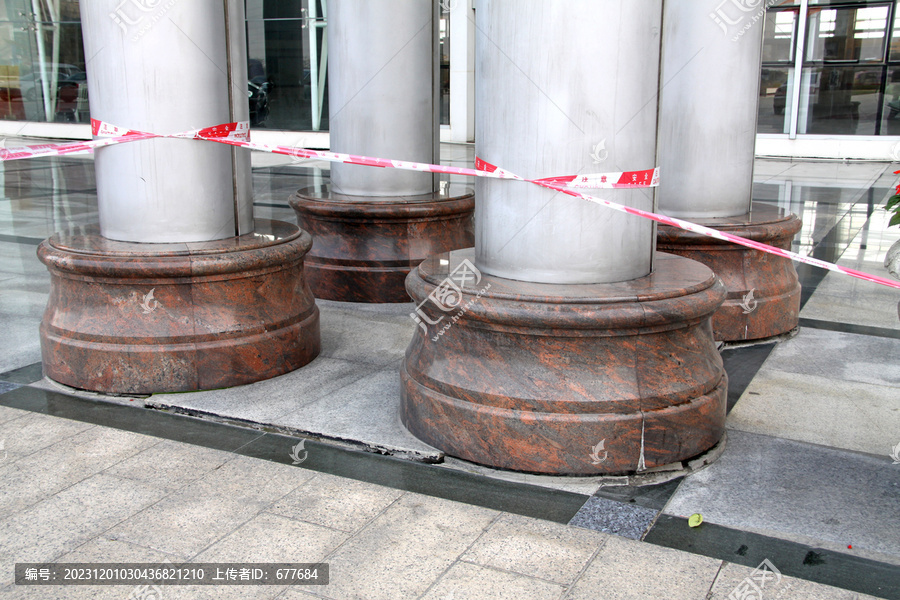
x,y
286,53
775,92
826,2
778,44
895,35
42,65
444,37
847,85
42,74
840,100
890,114
847,34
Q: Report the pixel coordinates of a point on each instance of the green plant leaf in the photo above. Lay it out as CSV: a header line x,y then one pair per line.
x,y
895,220
892,202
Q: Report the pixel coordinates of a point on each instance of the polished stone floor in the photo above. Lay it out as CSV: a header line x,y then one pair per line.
x,y
806,480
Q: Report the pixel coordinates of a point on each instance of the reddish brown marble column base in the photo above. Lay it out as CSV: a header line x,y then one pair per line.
x,y
773,308
365,247
127,318
566,379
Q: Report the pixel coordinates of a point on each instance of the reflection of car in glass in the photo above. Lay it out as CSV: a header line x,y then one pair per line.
x,y
31,84
258,92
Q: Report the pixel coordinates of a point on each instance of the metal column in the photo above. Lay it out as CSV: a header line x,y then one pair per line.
x,y
380,95
565,87
708,109
173,67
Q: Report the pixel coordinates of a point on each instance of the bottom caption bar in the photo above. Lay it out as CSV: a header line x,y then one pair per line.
x,y
171,574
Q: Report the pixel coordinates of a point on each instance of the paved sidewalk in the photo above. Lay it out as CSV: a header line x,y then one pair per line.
x,y
75,492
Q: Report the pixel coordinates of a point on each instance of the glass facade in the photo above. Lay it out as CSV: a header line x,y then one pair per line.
x,y
287,54
42,64
444,45
847,54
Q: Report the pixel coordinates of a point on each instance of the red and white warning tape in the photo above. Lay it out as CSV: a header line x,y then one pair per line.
x,y
238,134
721,235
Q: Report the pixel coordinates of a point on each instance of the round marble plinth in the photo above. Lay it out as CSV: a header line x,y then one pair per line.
x,y
763,289
130,318
565,379
365,247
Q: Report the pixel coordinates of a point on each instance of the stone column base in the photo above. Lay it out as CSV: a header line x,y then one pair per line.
x,y
365,247
595,379
129,318
763,289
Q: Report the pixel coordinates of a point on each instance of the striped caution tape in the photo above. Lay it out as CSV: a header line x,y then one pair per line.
x,y
238,134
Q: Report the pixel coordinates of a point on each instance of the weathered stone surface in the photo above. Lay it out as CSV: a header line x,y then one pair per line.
x,y
763,289
365,247
128,318
565,379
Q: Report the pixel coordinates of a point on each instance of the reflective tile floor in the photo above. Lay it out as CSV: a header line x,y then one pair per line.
x,y
806,480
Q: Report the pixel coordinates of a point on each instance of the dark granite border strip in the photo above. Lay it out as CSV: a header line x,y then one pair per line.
x,y
742,364
24,375
851,328
791,558
478,490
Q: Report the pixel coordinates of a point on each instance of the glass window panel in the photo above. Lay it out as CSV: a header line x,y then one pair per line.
x,y
61,74
287,76
895,35
15,55
775,93
839,100
890,116
847,34
444,37
778,38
